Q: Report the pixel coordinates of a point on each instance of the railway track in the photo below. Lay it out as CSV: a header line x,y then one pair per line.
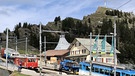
x,y
63,71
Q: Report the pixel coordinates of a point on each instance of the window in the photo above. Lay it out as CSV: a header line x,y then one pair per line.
x,y
29,60
33,60
87,68
83,51
72,52
107,73
112,73
77,51
96,70
92,68
76,44
79,44
92,58
102,71
99,59
80,66
118,74
108,60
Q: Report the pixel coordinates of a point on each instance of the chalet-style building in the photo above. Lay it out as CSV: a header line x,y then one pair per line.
x,y
59,52
80,51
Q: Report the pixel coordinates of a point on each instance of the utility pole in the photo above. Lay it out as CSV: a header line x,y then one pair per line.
x,y
115,60
40,43
16,43
6,50
26,46
45,48
90,54
45,43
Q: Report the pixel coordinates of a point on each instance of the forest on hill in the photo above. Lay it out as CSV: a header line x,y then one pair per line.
x,y
97,23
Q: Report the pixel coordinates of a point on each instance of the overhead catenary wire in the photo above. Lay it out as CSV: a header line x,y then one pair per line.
x,y
123,4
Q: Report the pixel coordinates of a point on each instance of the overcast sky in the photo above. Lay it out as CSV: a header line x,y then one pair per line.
x,y
35,11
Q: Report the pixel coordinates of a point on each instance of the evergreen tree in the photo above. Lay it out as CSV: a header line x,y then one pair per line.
x,y
16,30
106,27
25,25
67,24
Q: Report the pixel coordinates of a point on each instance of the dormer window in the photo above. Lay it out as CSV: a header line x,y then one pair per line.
x,y
77,44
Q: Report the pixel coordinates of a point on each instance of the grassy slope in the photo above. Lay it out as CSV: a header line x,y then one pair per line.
x,y
16,73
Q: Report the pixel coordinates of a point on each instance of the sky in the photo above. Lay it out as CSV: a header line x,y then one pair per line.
x,y
35,11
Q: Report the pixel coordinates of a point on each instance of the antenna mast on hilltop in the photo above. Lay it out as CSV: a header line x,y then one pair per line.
x,y
105,3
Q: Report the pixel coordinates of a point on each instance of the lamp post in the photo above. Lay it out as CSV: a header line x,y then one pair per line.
x,y
6,50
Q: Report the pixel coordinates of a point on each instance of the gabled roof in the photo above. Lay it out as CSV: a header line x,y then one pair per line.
x,y
86,43
62,44
56,52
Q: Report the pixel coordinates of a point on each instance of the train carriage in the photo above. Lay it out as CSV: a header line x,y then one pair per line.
x,y
11,53
103,70
27,62
70,66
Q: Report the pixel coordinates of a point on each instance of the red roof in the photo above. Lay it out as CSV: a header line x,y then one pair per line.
x,y
56,52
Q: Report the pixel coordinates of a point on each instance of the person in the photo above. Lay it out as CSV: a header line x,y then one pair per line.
x,y
20,66
60,69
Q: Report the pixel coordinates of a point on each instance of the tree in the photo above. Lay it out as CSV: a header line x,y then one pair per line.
x,y
16,30
106,27
25,25
57,19
6,31
67,24
34,40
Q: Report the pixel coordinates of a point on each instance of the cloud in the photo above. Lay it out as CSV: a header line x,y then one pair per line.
x,y
35,11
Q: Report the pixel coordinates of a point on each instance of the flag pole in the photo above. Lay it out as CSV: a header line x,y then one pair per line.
x,y
90,54
115,49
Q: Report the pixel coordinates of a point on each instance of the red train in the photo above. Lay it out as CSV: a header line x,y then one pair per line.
x,y
26,62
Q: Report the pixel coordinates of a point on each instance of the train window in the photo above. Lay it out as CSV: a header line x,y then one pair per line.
x,y
80,66
127,75
123,74
96,70
117,73
33,60
87,68
107,72
92,69
83,66
102,71
112,73
29,60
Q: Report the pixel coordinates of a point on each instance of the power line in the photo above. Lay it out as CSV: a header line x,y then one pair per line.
x,y
123,4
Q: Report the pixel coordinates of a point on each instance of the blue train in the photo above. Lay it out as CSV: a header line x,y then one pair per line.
x,y
70,66
102,70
